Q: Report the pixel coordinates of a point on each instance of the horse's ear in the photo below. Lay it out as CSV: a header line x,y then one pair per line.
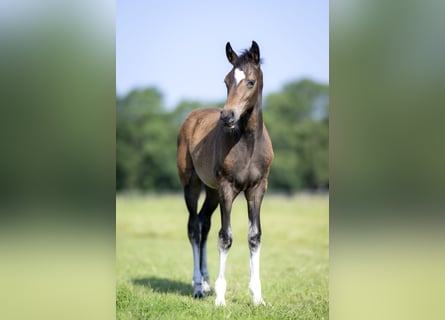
x,y
231,55
255,52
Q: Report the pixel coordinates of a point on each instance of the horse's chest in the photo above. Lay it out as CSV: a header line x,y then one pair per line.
x,y
241,172
247,176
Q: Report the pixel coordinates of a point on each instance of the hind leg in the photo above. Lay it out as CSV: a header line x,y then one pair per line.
x,y
209,206
192,188
191,194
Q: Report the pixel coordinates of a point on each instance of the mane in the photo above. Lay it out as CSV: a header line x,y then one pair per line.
x,y
245,58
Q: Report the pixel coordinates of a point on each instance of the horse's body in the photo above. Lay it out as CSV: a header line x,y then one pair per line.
x,y
228,151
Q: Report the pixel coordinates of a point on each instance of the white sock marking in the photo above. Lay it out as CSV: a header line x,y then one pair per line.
x,y
220,283
239,75
255,282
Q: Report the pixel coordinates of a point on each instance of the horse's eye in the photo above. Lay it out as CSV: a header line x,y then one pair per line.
x,y
250,83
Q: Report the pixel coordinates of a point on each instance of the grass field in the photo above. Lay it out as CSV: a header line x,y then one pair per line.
x,y
154,260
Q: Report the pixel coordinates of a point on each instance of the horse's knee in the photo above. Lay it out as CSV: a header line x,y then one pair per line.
x,y
254,238
225,239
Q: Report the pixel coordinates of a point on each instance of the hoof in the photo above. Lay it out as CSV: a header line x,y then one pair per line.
x,y
259,302
197,290
206,288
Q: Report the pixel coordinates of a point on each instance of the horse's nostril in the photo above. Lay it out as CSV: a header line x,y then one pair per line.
x,y
228,118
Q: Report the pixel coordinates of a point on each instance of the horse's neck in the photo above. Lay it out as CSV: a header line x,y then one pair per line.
x,y
255,122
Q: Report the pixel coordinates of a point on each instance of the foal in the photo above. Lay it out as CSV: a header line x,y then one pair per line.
x,y
228,151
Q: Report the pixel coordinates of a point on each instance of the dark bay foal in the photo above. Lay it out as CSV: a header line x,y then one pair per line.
x,y
226,151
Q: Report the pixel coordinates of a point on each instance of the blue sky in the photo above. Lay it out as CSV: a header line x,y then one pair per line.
x,y
179,46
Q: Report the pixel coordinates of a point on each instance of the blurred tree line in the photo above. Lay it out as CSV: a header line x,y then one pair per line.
x,y
297,118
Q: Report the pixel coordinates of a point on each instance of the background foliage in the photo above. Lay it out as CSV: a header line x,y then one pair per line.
x,y
297,118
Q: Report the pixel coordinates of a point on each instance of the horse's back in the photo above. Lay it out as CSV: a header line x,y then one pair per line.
x,y
196,144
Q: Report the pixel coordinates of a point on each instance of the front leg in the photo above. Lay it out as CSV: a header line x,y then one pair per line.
x,y
254,198
227,195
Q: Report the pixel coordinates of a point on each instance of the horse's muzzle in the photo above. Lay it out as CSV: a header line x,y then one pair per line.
x,y
228,118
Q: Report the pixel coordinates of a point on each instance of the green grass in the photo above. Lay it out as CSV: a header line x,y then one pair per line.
x,y
154,260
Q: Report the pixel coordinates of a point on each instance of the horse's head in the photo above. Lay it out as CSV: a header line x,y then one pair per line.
x,y
244,84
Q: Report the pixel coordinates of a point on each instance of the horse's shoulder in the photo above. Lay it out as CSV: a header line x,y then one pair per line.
x,y
203,112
